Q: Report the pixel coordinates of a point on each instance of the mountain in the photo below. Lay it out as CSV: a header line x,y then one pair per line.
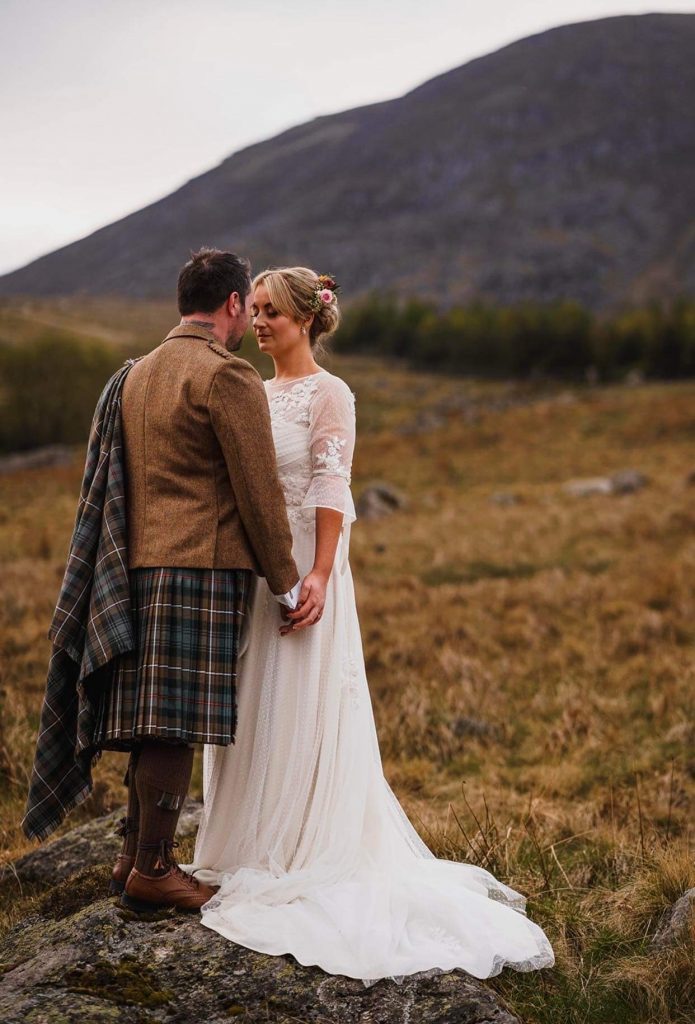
x,y
561,166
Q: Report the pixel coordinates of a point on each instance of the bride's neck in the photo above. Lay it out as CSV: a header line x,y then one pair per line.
x,y
292,365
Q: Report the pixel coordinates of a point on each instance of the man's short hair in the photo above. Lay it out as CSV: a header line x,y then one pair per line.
x,y
209,278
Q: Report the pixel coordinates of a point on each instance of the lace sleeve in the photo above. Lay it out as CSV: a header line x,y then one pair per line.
x,y
332,441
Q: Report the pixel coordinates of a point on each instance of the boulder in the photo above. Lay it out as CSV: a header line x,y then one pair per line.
x,y
37,458
475,727
422,423
504,498
675,922
79,958
625,481
591,485
380,499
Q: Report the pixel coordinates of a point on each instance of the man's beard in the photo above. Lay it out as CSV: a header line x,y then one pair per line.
x,y
234,341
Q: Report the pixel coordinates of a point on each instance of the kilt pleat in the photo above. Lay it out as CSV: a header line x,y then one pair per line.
x,y
178,683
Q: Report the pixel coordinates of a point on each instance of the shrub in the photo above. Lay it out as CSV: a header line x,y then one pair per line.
x,y
49,388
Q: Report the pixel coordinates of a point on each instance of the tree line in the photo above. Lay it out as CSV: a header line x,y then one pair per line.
x,y
561,340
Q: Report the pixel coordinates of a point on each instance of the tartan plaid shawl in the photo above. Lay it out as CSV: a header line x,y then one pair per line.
x,y
91,625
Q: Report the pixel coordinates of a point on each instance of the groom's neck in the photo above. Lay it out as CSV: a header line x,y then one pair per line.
x,y
209,323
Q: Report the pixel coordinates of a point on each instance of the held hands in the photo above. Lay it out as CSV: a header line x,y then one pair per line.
x,y
309,610
312,597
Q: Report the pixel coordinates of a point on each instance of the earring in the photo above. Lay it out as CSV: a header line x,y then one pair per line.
x,y
303,329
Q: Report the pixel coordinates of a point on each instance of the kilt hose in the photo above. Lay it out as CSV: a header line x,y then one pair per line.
x,y
179,681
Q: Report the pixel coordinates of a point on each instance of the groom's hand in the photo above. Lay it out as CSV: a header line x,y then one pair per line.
x,y
309,610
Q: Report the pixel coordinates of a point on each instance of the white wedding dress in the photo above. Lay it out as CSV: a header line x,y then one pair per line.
x,y
313,854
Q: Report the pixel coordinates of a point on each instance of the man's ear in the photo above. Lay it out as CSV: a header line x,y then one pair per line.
x,y
234,304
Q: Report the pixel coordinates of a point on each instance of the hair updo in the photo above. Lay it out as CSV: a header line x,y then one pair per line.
x,y
292,291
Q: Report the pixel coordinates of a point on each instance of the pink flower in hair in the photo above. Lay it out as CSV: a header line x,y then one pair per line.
x,y
326,296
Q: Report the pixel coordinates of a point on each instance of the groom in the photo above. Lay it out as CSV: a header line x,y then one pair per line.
x,y
205,512
184,480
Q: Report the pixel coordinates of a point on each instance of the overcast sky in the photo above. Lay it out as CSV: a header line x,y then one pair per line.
x,y
107,105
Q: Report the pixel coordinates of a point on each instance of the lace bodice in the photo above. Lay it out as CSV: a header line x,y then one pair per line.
x,y
313,421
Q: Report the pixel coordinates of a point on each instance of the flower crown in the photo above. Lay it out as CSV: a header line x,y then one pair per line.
x,y
324,293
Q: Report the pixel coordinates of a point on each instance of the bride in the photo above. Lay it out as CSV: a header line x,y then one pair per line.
x,y
312,853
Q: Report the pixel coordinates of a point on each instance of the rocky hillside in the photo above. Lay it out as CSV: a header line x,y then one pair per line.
x,y
559,166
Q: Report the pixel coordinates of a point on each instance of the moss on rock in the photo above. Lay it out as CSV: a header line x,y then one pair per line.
x,y
126,981
75,893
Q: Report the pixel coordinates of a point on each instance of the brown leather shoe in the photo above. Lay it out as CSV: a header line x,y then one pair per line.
x,y
119,876
174,889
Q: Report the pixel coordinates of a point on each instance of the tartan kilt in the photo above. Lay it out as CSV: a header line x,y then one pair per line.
x,y
178,683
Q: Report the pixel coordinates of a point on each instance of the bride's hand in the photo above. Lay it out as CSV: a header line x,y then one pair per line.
x,y
312,599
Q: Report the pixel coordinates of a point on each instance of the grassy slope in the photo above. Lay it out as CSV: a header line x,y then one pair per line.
x,y
531,666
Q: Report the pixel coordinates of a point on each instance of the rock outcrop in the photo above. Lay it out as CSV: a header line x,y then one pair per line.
x,y
80,957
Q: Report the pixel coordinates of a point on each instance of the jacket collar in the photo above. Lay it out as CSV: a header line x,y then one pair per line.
x,y
192,331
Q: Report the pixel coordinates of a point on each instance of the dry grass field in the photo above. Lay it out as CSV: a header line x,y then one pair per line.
x,y
530,657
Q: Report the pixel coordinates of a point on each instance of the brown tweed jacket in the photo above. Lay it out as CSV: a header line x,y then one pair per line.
x,y
201,483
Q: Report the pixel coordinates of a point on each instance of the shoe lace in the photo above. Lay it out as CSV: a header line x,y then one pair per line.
x,y
166,859
126,826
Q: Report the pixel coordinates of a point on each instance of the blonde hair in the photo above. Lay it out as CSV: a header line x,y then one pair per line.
x,y
292,291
